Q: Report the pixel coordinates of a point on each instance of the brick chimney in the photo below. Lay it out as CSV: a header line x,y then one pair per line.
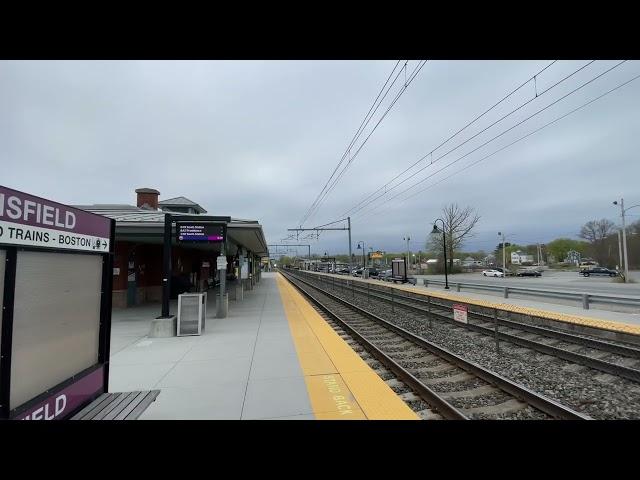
x,y
147,198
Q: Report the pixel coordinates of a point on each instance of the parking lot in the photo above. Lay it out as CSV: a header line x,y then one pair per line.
x,y
551,279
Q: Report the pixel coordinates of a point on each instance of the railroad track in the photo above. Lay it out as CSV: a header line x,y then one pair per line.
x,y
612,358
453,387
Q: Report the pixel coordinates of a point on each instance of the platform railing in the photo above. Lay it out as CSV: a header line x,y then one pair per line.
x,y
581,297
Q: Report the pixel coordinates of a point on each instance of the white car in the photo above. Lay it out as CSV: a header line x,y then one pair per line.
x,y
492,273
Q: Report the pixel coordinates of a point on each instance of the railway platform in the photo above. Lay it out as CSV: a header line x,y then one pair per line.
x,y
626,325
273,357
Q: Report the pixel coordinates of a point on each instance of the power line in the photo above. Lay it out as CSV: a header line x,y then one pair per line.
x,y
514,142
474,136
452,136
398,95
363,124
412,76
322,195
490,140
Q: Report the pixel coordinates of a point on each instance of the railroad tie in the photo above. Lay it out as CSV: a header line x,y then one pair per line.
x,y
472,392
460,377
509,406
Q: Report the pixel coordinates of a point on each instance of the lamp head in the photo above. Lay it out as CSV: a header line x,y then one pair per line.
x,y
435,229
615,202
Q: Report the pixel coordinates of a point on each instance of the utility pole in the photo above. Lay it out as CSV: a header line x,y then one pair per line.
x,y
619,248
349,227
323,228
624,237
624,243
504,256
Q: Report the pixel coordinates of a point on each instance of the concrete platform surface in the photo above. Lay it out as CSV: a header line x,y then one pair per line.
x,y
273,357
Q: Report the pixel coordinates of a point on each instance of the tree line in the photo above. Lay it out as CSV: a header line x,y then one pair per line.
x,y
599,242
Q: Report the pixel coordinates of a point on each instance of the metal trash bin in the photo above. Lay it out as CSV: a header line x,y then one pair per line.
x,y
192,310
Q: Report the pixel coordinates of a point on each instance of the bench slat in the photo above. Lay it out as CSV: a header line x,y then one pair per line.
x,y
118,406
123,398
142,406
93,407
124,409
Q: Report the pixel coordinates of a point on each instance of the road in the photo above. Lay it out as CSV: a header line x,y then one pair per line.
x,y
551,280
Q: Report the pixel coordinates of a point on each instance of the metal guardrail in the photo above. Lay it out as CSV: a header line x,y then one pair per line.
x,y
585,298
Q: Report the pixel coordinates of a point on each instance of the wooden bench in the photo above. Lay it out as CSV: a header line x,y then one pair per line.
x,y
117,406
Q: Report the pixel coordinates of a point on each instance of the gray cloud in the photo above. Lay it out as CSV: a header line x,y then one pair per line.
x,y
259,139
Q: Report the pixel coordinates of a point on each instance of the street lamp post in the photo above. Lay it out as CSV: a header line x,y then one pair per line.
x,y
406,239
444,248
624,236
364,265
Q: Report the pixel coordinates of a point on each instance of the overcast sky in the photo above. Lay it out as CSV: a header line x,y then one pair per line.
x,y
259,139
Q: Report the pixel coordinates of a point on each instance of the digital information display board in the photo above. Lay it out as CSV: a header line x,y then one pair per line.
x,y
199,232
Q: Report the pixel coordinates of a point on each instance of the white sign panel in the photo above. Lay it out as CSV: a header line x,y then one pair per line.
x,y
222,262
244,271
460,313
32,236
116,271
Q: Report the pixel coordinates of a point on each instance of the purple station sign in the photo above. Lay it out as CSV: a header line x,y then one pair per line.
x,y
61,404
33,221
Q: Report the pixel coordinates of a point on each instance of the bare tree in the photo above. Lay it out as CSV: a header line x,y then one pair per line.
x,y
596,232
458,225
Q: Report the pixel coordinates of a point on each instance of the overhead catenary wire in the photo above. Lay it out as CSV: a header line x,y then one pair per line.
x,y
510,144
355,210
487,142
322,196
398,95
407,83
452,136
363,124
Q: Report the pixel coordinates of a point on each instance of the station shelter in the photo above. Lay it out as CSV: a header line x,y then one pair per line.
x,y
139,240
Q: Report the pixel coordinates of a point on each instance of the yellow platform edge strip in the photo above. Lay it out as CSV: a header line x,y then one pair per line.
x,y
339,383
534,312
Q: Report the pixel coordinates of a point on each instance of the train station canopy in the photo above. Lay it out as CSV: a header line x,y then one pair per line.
x,y
134,224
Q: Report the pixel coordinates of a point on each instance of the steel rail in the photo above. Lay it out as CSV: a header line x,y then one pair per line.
x,y
602,365
544,404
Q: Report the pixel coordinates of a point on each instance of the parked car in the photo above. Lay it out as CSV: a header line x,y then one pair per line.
x,y
385,275
492,273
588,265
528,272
507,272
599,271
357,272
373,272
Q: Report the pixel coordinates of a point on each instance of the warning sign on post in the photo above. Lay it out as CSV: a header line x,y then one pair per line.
x,y
460,313
222,262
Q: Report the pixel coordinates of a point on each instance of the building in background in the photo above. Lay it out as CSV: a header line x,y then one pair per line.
x,y
137,273
519,258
